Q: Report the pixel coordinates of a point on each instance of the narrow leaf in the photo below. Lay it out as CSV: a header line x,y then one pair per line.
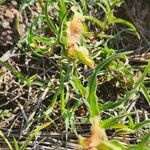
x,y
32,135
92,83
6,140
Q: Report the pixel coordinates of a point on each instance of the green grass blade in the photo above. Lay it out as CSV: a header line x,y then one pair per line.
x,y
25,3
92,97
16,145
142,78
14,71
62,92
127,23
33,134
42,39
106,145
50,22
62,10
52,104
6,140
141,124
111,105
108,9
117,144
144,142
92,83
96,21
76,83
129,95
61,38
30,33
144,91
2,2
106,123
101,65
84,6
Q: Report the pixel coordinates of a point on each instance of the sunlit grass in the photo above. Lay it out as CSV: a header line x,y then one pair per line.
x,y
69,32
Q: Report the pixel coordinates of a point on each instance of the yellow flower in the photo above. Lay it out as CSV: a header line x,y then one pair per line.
x,y
74,33
80,53
98,136
83,55
71,51
75,27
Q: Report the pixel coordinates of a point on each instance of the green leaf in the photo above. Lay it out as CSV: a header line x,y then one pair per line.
x,y
115,2
30,33
114,145
14,71
127,23
144,91
62,92
129,95
15,144
118,145
30,80
96,21
111,105
62,10
33,134
107,123
6,140
25,3
141,124
143,142
92,83
61,36
76,83
80,53
43,39
2,2
52,104
109,12
122,128
84,6
142,78
49,20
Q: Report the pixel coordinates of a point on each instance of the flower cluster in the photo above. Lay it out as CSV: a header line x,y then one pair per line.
x,y
98,136
74,33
